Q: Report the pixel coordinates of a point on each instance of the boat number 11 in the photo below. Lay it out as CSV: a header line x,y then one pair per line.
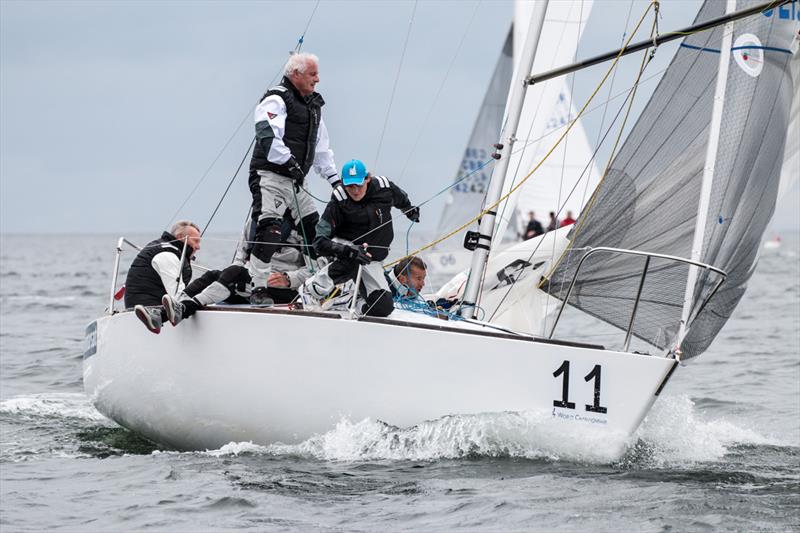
x,y
563,370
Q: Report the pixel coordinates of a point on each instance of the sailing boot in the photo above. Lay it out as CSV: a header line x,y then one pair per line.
x,y
173,309
150,317
177,311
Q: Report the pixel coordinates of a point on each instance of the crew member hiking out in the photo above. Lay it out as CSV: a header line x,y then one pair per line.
x,y
356,229
291,137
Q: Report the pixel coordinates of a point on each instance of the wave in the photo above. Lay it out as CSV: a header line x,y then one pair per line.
x,y
671,434
52,405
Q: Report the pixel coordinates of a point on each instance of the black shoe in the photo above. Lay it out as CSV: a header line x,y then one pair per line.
x,y
190,307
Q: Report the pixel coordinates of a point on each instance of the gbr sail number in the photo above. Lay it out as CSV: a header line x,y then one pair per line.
x,y
564,402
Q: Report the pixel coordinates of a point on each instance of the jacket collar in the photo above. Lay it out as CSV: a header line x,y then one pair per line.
x,y
313,97
176,243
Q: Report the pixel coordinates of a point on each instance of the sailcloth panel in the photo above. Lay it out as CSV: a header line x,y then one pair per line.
x,y
464,200
547,108
649,199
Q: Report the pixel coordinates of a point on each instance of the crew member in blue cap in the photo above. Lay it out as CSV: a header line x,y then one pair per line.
x,y
356,229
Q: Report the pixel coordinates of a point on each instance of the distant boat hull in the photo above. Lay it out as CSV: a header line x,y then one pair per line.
x,y
232,375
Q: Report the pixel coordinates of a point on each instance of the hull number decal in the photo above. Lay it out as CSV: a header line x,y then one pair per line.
x,y
91,340
594,375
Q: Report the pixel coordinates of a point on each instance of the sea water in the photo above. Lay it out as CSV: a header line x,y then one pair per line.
x,y
719,451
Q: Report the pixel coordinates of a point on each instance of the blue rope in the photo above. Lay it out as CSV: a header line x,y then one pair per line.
x,y
420,306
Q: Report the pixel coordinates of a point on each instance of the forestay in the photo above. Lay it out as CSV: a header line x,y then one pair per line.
x,y
648,200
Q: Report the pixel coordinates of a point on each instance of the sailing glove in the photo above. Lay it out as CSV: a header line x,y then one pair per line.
x,y
413,214
295,172
351,252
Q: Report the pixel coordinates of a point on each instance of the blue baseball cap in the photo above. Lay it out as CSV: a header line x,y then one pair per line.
x,y
354,172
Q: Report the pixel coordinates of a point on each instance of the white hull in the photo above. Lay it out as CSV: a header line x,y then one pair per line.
x,y
241,375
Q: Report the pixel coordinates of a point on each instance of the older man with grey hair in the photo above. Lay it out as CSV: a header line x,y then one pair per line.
x,y
291,138
162,266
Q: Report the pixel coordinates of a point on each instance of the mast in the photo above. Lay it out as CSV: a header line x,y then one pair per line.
x,y
708,169
486,228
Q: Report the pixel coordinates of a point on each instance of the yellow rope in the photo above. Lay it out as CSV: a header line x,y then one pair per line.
x,y
561,138
582,219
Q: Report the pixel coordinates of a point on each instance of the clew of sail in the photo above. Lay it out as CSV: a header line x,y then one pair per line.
x,y
648,198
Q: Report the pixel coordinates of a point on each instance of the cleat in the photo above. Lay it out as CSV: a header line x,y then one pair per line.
x,y
150,317
173,309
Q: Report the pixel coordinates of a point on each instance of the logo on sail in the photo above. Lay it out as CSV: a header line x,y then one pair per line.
x,y
749,54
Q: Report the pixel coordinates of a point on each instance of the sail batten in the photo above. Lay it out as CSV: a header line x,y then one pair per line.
x,y
648,200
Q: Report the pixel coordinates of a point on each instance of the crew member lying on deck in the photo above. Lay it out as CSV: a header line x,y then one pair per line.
x,y
356,229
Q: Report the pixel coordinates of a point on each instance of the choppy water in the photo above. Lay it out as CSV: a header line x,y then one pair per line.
x,y
719,451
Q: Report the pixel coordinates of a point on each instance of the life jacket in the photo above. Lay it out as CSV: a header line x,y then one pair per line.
x,y
143,284
303,116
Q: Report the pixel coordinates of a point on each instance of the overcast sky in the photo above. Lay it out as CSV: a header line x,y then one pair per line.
x,y
111,112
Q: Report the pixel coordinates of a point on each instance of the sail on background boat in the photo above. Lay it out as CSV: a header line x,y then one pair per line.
x,y
548,107
648,200
465,198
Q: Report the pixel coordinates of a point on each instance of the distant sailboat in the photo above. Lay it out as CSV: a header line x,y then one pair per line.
x,y
548,108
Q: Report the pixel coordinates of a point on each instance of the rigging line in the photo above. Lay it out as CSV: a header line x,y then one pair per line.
x,y
241,123
547,155
646,58
280,72
228,188
585,169
459,180
505,207
604,104
308,24
306,257
502,211
439,90
208,170
563,164
605,108
396,80
625,93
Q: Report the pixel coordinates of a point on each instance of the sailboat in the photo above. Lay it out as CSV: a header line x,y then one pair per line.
x,y
548,108
689,192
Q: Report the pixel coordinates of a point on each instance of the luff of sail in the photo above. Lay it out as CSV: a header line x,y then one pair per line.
x,y
648,199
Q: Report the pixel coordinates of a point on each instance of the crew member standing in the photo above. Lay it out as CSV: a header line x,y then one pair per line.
x,y
356,228
291,137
